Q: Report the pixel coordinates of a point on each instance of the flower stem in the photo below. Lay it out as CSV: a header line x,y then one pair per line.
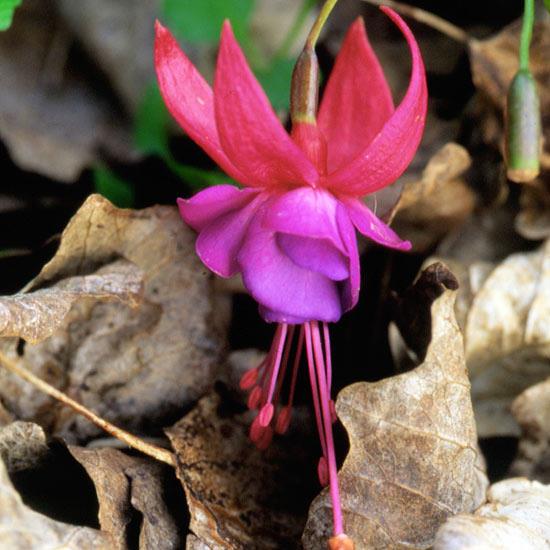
x,y
526,33
294,31
319,23
131,440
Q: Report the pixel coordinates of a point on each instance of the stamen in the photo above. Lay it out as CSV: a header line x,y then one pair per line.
x,y
314,390
265,439
322,471
256,431
266,414
327,425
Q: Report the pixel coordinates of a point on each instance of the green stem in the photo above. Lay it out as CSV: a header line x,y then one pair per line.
x,y
294,31
526,33
319,23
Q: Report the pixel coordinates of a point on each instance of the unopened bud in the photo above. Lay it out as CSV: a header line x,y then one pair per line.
x,y
304,92
523,128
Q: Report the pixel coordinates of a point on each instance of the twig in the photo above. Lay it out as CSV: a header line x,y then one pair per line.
x,y
131,440
423,16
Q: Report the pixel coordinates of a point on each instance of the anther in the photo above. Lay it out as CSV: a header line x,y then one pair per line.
x,y
254,398
322,471
266,414
249,379
283,420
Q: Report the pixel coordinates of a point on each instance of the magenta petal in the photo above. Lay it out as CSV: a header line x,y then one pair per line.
x,y
213,202
189,98
351,286
250,132
373,228
315,254
391,151
219,242
357,101
305,212
278,284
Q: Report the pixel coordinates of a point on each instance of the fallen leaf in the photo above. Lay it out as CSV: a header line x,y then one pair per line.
x,y
46,102
21,528
494,63
126,485
22,445
35,316
239,497
504,311
437,201
531,409
517,515
413,460
131,366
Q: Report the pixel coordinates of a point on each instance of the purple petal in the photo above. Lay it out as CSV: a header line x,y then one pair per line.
x,y
278,284
219,242
373,228
305,212
213,202
350,287
271,316
315,254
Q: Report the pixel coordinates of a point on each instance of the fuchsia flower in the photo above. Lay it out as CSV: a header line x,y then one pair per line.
x,y
290,231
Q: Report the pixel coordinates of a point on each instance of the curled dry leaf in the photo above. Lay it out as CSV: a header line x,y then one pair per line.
x,y
22,445
21,528
517,515
504,311
532,412
45,102
35,316
131,366
239,497
437,200
126,485
495,62
413,460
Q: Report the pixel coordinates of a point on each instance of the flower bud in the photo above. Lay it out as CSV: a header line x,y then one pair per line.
x,y
523,133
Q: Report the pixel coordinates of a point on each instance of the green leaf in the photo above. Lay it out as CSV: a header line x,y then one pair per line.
x,y
7,7
151,124
200,21
118,191
276,82
198,178
547,4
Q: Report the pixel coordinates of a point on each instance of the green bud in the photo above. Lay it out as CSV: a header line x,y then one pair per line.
x,y
523,128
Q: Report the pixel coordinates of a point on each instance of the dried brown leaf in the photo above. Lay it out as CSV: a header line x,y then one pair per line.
x,y
436,200
131,366
531,410
494,63
21,528
22,445
504,311
37,315
517,515
413,460
239,497
124,485
51,119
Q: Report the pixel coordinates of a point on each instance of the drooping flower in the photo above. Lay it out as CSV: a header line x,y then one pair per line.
x,y
290,231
